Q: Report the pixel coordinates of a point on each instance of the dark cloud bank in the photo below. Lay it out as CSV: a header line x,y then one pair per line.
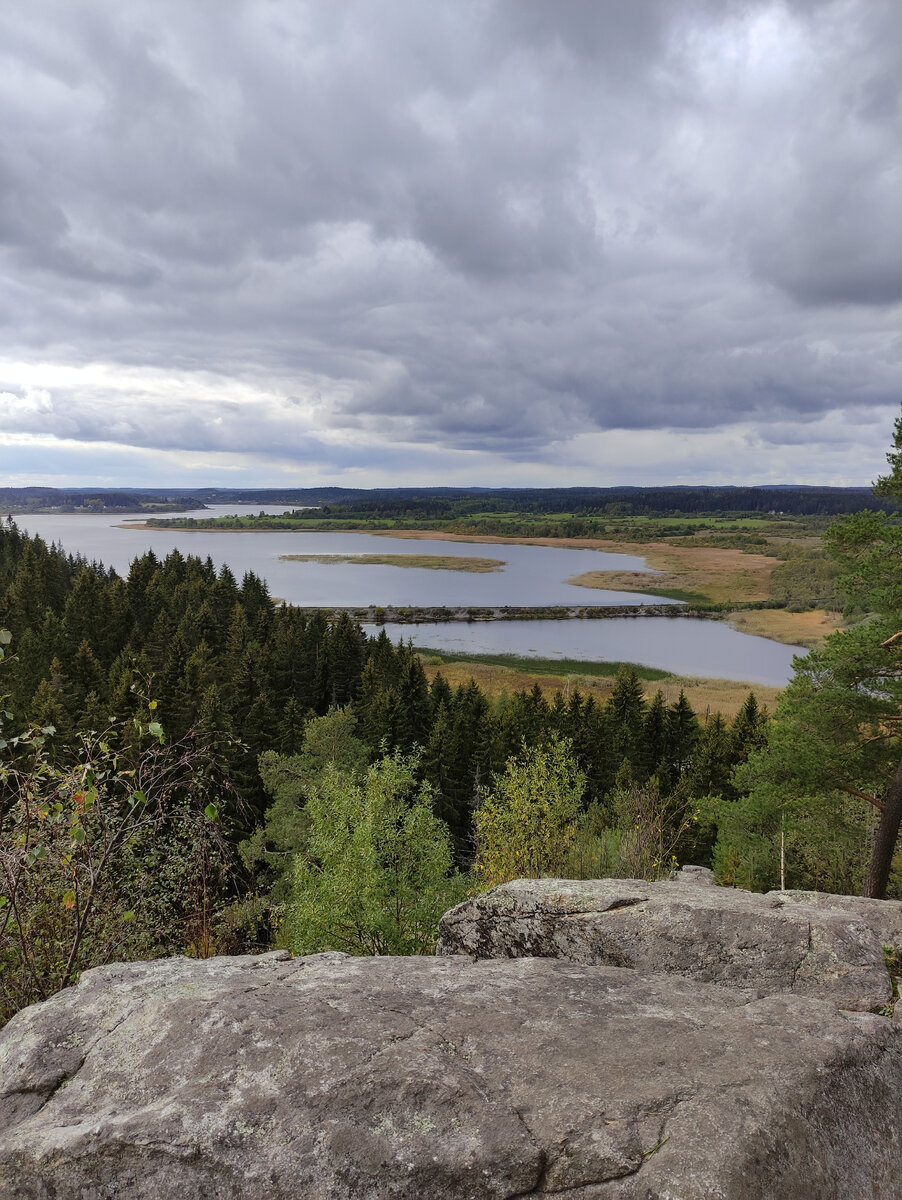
x,y
507,241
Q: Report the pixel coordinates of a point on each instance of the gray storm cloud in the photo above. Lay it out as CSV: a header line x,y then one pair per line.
x,y
487,227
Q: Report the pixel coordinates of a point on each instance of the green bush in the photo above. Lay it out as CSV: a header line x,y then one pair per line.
x,y
377,871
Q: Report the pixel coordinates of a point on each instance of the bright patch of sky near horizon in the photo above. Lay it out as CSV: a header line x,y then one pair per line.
x,y
500,242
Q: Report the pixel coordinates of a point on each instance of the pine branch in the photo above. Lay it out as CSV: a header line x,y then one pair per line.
x,y
854,791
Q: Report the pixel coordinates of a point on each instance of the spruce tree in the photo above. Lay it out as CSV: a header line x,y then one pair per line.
x,y
45,709
682,734
747,732
416,705
626,713
712,760
439,692
656,740
85,675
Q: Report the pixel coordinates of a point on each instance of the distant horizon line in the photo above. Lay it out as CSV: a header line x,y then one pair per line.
x,y
186,489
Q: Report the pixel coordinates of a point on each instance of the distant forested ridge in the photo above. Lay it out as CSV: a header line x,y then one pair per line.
x,y
447,504
452,503
92,500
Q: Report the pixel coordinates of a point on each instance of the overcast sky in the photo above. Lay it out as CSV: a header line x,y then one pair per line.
x,y
537,242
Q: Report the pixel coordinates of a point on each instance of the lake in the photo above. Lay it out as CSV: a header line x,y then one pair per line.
x,y
682,645
532,575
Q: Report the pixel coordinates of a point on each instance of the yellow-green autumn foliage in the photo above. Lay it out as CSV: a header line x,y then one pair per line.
x,y
377,872
527,823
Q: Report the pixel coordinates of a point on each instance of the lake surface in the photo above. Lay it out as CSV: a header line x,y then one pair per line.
x,y
533,575
683,645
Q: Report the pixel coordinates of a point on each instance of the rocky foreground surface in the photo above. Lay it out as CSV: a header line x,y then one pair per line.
x,y
462,1077
803,943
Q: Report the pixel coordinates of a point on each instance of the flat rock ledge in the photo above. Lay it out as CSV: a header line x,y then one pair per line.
x,y
800,943
418,1078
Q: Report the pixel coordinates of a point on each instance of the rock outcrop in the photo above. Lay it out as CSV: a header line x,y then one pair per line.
x,y
603,1040
761,945
884,917
446,1078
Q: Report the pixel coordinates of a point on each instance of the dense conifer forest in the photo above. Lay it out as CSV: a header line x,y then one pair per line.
x,y
219,656
188,766
450,504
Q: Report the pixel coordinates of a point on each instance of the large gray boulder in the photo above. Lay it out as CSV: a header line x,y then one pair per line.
x,y
883,916
445,1078
747,942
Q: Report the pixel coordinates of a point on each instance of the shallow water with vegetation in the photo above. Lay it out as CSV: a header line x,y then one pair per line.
x,y
534,575
680,645
531,575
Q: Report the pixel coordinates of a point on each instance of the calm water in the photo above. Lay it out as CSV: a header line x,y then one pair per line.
x,y
533,575
709,649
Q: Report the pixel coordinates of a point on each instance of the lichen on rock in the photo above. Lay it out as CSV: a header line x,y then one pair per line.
x,y
466,1078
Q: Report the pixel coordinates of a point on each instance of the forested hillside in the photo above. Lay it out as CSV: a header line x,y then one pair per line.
x,y
276,755
455,504
218,655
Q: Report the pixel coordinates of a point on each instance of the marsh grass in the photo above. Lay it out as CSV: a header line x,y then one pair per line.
x,y
429,562
503,674
794,628
558,667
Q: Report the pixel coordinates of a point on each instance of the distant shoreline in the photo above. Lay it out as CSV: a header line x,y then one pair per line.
x,y
723,583
398,614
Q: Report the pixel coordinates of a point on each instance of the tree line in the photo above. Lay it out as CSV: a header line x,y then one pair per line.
x,y
443,505
187,766
104,675
220,656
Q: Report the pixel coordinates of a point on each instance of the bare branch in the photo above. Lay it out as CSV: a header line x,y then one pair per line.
x,y
854,791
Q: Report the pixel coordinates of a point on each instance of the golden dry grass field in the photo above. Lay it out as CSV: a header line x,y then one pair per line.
x,y
713,574
796,629
720,575
705,695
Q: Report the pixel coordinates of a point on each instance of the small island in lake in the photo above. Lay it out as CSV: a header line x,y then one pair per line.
x,y
429,562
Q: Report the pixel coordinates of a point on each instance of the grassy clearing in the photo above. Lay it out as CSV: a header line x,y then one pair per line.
x,y
795,629
511,675
640,581
429,562
543,666
709,574
706,573
702,521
